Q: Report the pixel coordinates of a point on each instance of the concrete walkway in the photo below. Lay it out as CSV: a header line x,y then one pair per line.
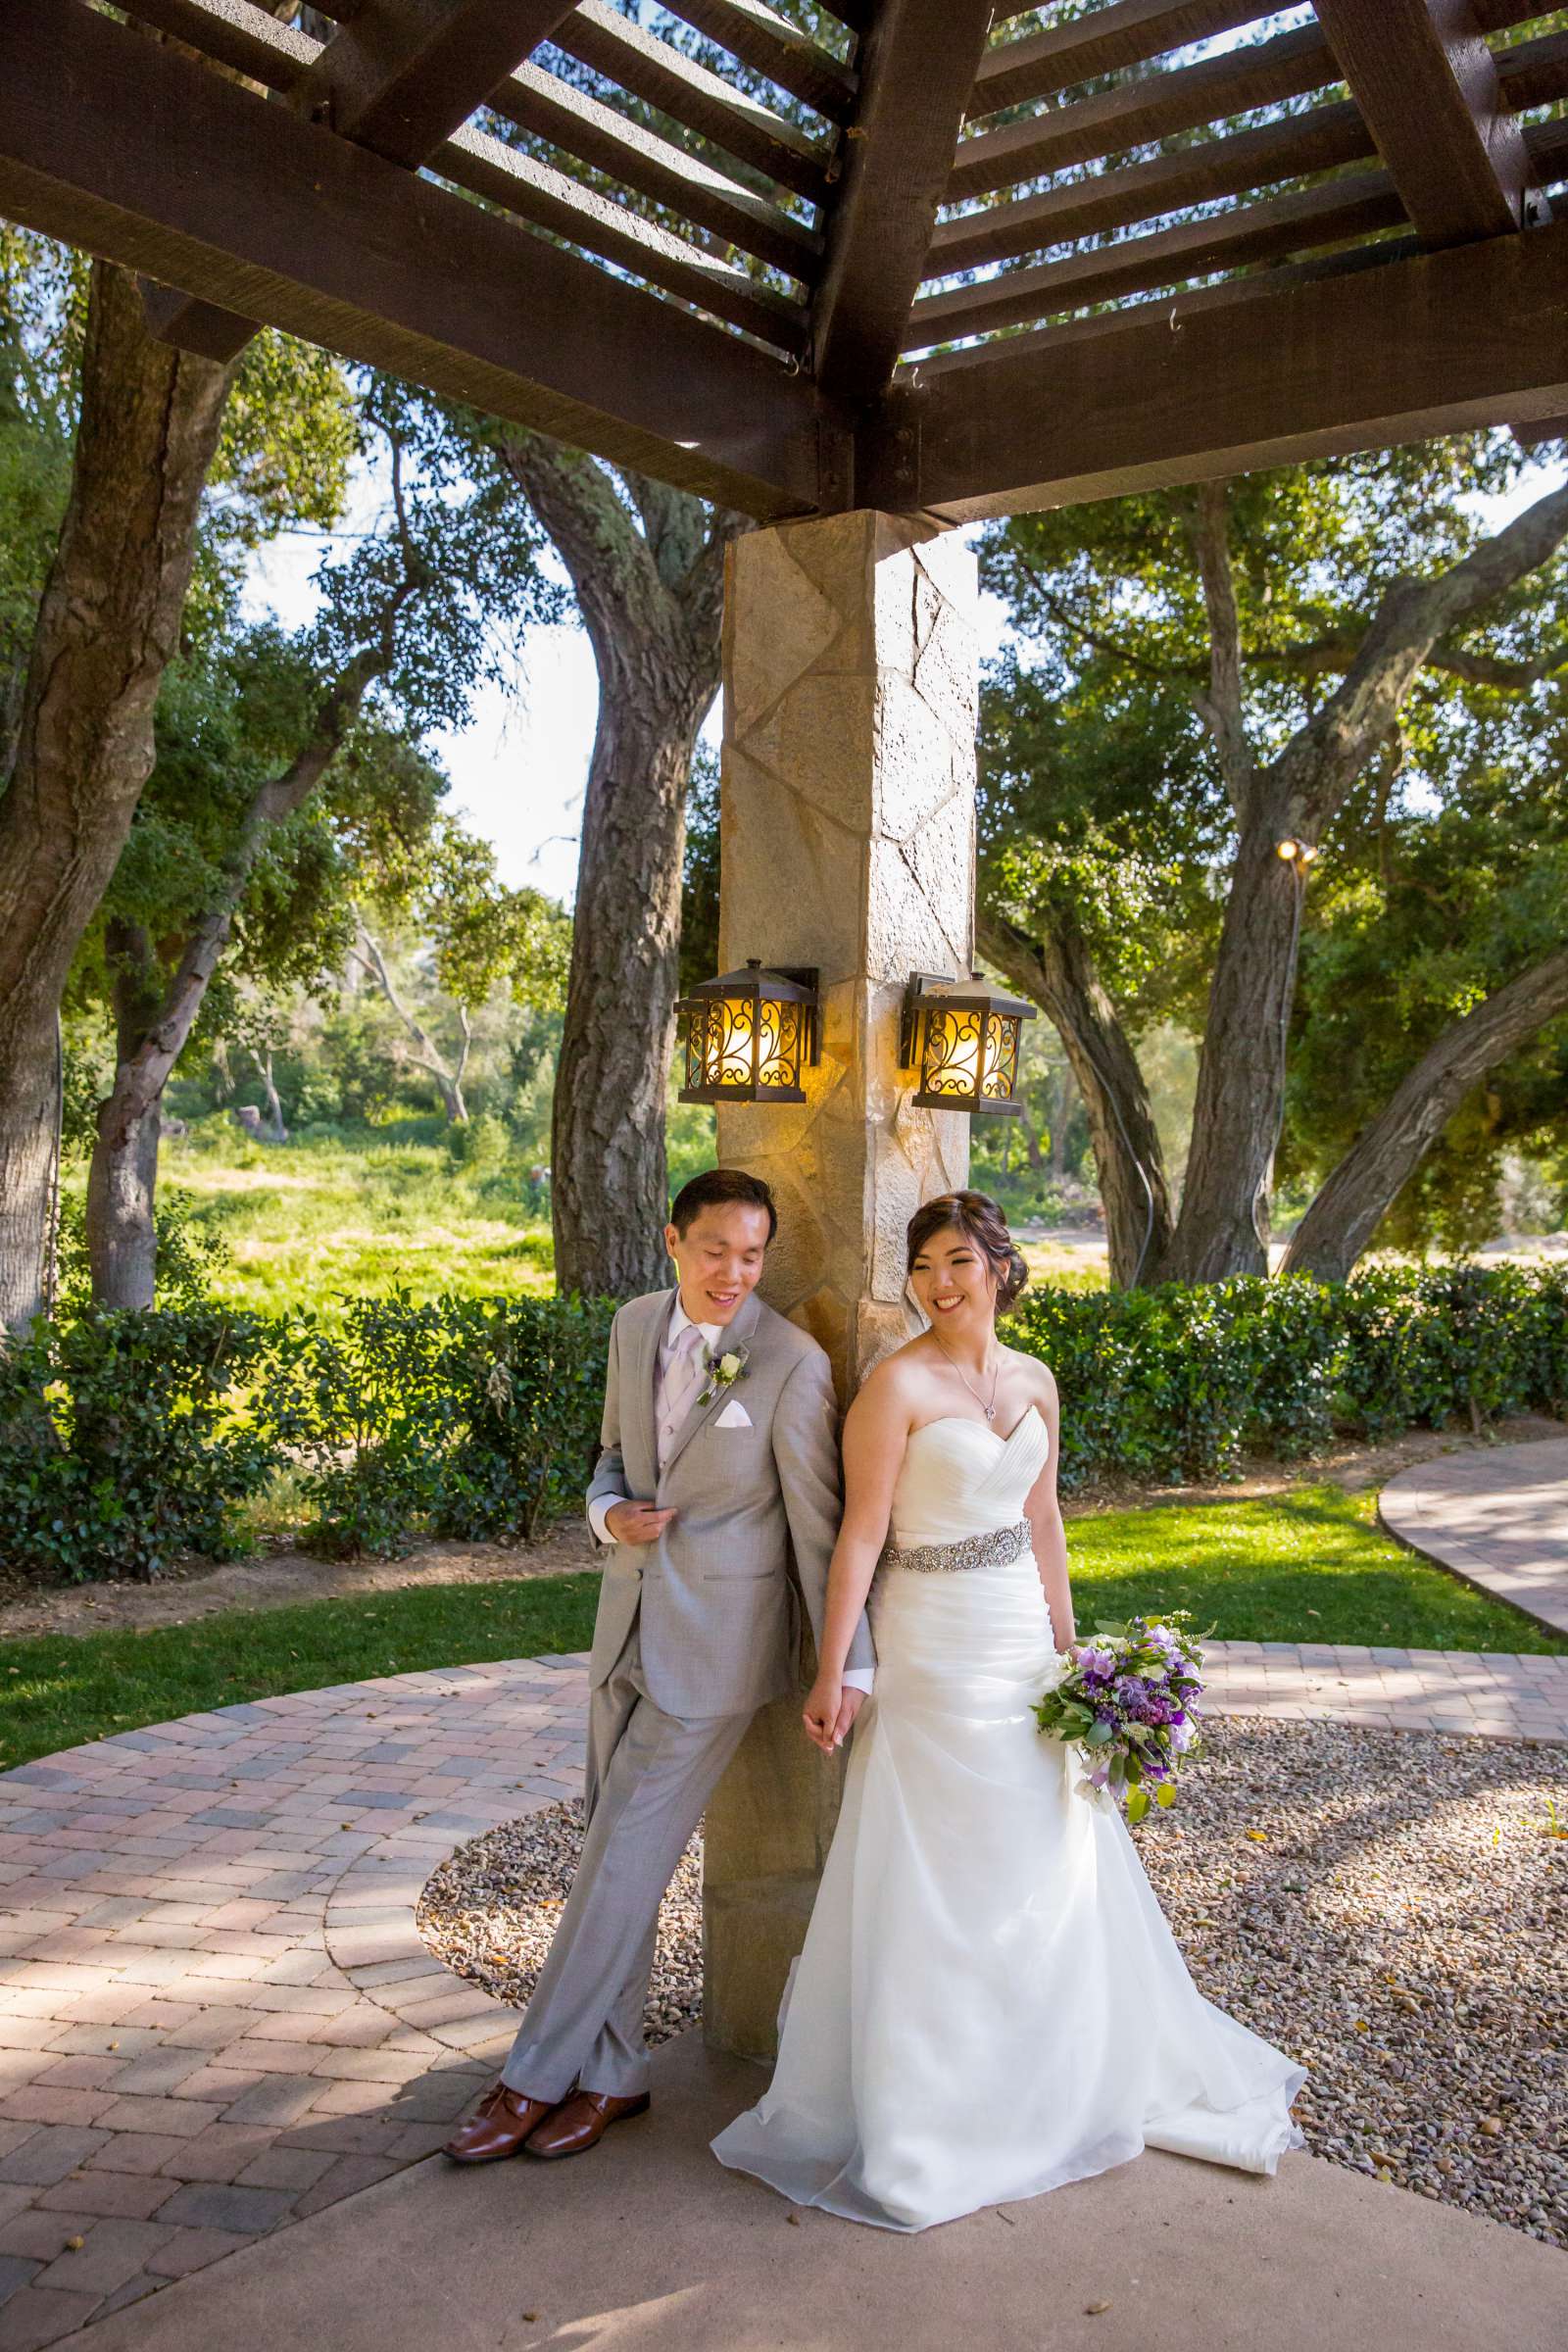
x,y
649,2247
1496,1514
217,2015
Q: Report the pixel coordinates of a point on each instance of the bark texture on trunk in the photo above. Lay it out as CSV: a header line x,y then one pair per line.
x,y
1057,970
652,601
1349,1204
122,1175
108,625
1223,1227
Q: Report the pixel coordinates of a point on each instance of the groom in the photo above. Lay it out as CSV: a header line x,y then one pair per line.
x,y
718,1467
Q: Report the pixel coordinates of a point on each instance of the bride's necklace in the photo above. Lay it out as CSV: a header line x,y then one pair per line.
x,y
989,1410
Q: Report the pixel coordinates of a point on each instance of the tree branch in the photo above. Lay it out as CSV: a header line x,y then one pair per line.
x,y
1056,969
428,1053
1351,1201
1323,759
1110,646
1220,707
1334,656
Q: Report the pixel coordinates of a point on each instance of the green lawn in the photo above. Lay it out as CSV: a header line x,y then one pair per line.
x,y
370,1210
1307,1565
58,1691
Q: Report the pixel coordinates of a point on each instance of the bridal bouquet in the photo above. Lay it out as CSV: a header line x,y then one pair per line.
x,y
1129,1703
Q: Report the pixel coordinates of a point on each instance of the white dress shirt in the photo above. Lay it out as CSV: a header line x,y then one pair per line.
x,y
856,1678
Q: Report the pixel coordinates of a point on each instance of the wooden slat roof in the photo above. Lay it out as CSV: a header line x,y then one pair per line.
x,y
797,256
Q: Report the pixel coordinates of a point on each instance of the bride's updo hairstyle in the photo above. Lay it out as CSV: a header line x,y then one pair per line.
x,y
977,1215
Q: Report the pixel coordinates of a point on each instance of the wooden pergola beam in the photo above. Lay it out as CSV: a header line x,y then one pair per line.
x,y
400,78
661,74
1426,83
1106,40
404,75
1147,107
132,151
917,68
1355,205
771,44
1439,342
1531,73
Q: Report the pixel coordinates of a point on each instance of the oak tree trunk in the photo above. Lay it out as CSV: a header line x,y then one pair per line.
x,y
1055,969
122,1175
1241,1082
427,1054
108,625
651,599
276,1126
1223,1227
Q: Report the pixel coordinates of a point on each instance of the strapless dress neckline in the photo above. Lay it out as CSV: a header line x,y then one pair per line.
x,y
967,1421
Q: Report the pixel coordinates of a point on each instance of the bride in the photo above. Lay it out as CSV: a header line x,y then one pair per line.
x,y
990,2001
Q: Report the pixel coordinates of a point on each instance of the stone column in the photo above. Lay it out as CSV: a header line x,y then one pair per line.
x,y
847,828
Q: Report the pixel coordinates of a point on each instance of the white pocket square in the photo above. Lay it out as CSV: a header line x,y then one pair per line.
x,y
734,1416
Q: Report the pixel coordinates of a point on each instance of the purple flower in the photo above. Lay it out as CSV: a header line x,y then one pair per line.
x,y
1182,1736
1094,1662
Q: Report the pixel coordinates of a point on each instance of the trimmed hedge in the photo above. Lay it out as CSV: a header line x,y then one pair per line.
x,y
1177,1383
121,1443
129,1438
475,1417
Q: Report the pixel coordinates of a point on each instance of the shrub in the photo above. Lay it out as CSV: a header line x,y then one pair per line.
x,y
527,1378
361,1407
122,1442
1172,1383
129,1438
471,1417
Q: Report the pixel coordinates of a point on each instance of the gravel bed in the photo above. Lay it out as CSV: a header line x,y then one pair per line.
x,y
491,1909
1390,1907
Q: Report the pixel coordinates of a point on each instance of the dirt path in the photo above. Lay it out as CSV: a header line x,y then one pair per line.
x,y
284,1579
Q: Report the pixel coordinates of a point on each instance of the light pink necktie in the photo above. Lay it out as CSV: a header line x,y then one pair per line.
x,y
678,1387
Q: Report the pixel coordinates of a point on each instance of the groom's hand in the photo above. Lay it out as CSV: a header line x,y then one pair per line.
x,y
636,1522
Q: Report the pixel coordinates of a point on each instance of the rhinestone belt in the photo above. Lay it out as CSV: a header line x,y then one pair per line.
x,y
997,1548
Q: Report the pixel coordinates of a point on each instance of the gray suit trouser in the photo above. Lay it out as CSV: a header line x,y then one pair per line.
x,y
650,1776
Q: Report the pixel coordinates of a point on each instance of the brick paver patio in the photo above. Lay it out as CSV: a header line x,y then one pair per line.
x,y
216,2016
1496,1514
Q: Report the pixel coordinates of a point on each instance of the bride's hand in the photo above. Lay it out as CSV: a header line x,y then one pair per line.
x,y
821,1711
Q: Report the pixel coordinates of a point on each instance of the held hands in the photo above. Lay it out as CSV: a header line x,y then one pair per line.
x,y
636,1522
829,1712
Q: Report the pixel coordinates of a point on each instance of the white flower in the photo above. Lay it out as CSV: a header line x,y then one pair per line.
x,y
729,1367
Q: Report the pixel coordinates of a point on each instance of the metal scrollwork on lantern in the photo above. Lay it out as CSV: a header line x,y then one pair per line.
x,y
962,1037
747,1036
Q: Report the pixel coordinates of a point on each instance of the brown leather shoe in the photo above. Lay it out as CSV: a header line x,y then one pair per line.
x,y
582,2123
498,2126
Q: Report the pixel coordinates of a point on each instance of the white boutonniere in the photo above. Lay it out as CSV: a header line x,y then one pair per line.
x,y
723,1371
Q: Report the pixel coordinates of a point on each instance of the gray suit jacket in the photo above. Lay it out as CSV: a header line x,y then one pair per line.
x,y
720,1619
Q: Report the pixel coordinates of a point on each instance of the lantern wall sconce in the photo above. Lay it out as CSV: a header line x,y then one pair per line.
x,y
962,1037
747,1035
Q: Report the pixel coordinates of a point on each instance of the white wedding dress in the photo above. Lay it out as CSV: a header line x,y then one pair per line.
x,y
990,2001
